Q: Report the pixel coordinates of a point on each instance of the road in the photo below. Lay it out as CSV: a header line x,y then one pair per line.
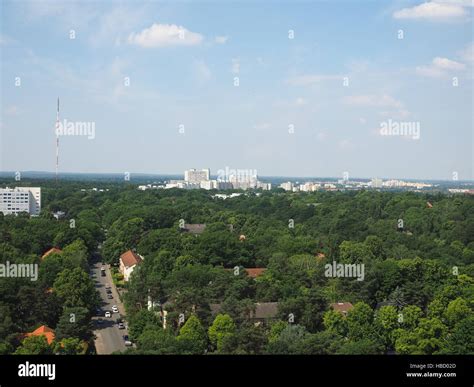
x,y
108,336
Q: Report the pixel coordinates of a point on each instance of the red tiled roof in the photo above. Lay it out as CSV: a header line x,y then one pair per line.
x,y
129,258
43,330
53,250
254,273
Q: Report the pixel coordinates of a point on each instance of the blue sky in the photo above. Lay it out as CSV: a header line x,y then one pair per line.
x,y
317,80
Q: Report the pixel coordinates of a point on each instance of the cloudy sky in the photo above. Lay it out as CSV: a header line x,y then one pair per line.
x,y
294,89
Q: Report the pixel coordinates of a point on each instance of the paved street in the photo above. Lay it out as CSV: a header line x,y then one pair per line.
x,y
108,336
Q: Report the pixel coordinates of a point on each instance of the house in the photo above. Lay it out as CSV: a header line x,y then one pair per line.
x,y
128,261
253,272
342,307
53,250
194,229
263,312
45,331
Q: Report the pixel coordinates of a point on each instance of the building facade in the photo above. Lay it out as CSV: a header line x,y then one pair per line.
x,y
20,199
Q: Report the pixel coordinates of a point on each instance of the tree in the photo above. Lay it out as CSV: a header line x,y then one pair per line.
x,y
361,347
411,315
142,320
70,346
74,323
289,341
359,321
387,321
335,322
457,310
461,340
194,334
76,289
34,345
222,327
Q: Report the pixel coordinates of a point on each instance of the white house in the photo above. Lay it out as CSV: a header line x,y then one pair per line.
x,y
128,261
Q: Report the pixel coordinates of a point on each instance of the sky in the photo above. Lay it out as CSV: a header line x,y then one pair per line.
x,y
309,88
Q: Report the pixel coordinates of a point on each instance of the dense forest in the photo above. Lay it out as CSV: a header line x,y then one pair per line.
x,y
416,296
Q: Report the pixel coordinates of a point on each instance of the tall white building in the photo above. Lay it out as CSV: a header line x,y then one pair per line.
x,y
195,176
20,199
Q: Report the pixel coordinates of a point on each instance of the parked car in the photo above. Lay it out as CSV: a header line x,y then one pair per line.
x,y
100,321
121,325
108,291
107,286
102,271
115,309
109,296
107,314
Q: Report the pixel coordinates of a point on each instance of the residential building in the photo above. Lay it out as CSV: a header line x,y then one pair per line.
x,y
196,176
128,261
45,331
20,199
53,250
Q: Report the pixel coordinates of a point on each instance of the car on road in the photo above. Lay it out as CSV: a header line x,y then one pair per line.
x,y
121,325
102,271
109,296
127,341
107,314
115,309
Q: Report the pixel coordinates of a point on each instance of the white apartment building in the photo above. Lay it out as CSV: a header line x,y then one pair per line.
x,y
195,176
20,199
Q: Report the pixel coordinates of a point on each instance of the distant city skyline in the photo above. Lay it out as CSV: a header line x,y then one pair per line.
x,y
312,89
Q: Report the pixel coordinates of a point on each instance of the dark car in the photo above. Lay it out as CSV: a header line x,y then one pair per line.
x,y
125,338
109,291
109,296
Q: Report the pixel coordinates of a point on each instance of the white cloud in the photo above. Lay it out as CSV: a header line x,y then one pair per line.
x,y
203,73
372,100
306,80
433,10
162,35
439,67
221,39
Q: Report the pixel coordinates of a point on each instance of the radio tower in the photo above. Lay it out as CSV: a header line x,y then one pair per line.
x,y
57,142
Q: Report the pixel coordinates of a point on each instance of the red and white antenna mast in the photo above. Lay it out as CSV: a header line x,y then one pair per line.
x,y
57,142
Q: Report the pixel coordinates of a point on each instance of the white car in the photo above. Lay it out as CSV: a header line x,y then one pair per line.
x,y
107,314
115,309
